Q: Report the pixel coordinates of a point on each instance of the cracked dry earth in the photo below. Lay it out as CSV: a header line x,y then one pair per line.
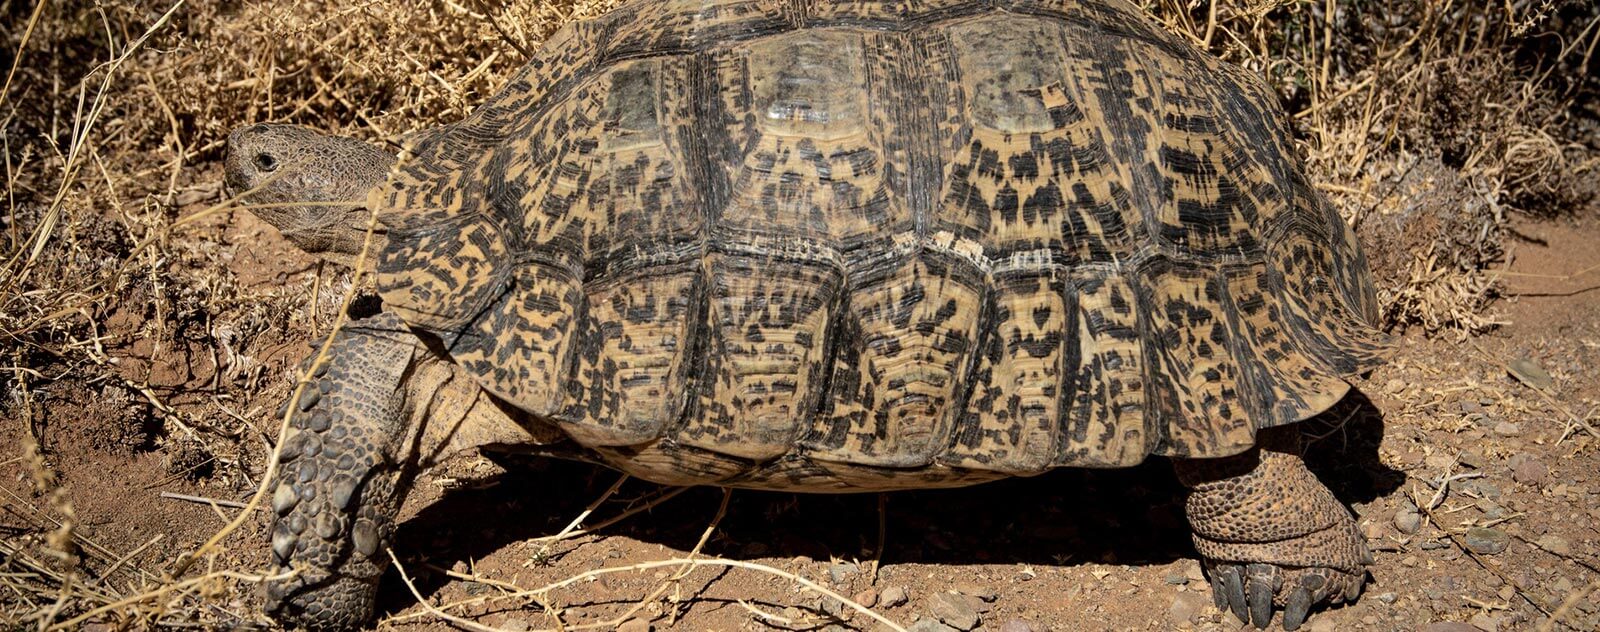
x,y
1508,544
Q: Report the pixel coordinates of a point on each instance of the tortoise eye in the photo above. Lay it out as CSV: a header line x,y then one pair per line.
x,y
266,162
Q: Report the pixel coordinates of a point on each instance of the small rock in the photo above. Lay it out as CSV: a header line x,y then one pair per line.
x,y
1185,607
515,625
1555,544
1486,622
842,572
1448,626
1387,598
1530,471
1176,578
977,590
1408,522
929,625
1469,407
1562,586
1507,429
953,610
1017,625
634,625
1486,541
1321,624
1192,571
868,598
893,596
833,607
1482,488
1530,373
1438,461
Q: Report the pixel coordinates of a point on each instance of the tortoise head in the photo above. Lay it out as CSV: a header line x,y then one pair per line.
x,y
296,180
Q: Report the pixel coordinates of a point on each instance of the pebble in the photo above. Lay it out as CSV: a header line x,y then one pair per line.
x,y
1408,522
954,610
929,625
868,598
1486,541
1448,626
1555,544
1192,570
842,572
1530,373
1530,471
1321,624
515,625
1186,606
1508,429
1387,598
893,596
1485,621
833,607
977,590
1176,578
1017,625
634,625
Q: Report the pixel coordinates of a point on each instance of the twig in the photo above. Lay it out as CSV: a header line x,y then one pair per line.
x,y
647,506
1566,606
572,526
231,504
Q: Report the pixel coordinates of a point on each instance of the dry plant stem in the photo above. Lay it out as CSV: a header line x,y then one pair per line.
x,y
300,385
651,504
711,561
571,526
170,588
231,504
16,60
1461,543
1566,606
82,127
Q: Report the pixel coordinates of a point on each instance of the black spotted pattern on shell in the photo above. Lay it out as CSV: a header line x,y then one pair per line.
x,y
873,245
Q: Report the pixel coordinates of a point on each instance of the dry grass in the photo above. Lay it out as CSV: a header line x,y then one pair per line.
x,y
1430,124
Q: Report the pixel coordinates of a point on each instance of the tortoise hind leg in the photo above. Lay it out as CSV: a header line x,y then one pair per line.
x,y
378,411
1272,535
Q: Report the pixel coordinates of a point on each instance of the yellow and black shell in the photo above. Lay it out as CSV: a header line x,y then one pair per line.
x,y
880,244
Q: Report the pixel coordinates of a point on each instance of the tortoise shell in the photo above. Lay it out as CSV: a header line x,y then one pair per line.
x,y
879,244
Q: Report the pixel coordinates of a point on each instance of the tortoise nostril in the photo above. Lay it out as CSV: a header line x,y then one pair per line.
x,y
266,162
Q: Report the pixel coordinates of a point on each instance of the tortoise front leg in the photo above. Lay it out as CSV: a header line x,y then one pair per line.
x,y
1272,535
381,409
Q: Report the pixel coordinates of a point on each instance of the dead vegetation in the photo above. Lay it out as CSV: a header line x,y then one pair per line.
x,y
1431,123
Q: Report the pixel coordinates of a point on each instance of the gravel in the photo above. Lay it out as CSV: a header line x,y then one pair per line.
x,y
1186,606
1408,522
953,610
1529,470
1486,541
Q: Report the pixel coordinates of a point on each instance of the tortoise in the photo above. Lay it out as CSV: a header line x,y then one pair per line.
x,y
835,247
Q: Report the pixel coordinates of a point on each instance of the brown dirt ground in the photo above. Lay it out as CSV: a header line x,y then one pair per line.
x,y
1070,550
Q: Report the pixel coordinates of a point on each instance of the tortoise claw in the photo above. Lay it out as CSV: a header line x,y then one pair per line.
x,y
1295,610
1233,589
1260,602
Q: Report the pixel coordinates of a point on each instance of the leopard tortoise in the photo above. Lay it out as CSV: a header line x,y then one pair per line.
x,y
834,247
